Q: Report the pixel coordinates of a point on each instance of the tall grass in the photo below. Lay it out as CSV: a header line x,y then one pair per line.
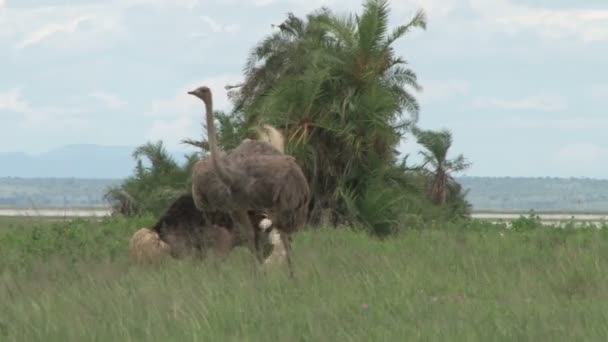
x,y
454,282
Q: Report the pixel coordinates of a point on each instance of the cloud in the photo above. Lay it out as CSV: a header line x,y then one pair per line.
x,y
54,117
576,123
11,101
188,4
263,3
599,91
434,8
587,25
51,29
181,115
112,101
183,104
172,131
217,27
437,90
80,25
584,153
535,103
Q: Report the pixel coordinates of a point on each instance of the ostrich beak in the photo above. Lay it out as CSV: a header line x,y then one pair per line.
x,y
191,92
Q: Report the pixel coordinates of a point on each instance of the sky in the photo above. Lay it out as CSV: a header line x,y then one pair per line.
x,y
521,84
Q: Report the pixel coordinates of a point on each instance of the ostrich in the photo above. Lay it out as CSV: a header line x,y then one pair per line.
x,y
272,136
189,230
145,247
184,230
254,176
270,142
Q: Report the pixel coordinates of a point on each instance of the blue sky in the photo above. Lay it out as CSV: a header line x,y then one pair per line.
x,y
523,85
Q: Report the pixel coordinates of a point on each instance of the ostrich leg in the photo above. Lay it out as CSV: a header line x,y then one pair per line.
x,y
285,240
247,232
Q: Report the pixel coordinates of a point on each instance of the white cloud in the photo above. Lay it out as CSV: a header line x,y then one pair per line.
x,y
172,131
587,25
11,101
580,153
433,8
574,123
182,104
53,117
188,4
599,91
535,103
79,25
49,30
263,3
181,115
217,27
112,101
437,90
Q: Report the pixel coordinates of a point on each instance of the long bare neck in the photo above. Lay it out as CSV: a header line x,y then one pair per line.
x,y
214,150
211,133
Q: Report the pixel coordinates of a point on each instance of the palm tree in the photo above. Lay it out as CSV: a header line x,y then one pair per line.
x,y
157,155
230,132
151,187
279,54
339,92
436,145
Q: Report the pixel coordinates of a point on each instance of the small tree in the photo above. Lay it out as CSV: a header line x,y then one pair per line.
x,y
151,187
436,145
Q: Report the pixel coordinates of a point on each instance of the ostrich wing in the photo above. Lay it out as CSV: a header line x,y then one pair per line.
x,y
209,191
272,181
249,148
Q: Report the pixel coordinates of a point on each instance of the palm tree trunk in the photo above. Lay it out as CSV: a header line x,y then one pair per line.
x,y
439,187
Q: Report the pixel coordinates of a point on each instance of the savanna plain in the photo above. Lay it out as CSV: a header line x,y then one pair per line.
x,y
461,281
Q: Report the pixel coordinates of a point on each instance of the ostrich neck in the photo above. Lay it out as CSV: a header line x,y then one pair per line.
x,y
214,150
211,128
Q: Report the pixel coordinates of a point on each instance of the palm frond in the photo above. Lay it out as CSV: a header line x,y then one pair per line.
x,y
419,20
372,25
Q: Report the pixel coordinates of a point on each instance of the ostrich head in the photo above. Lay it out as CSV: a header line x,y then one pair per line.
x,y
203,93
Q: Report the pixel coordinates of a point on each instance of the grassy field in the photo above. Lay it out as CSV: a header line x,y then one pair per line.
x,y
71,281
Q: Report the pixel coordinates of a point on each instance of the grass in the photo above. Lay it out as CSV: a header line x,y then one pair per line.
x,y
71,281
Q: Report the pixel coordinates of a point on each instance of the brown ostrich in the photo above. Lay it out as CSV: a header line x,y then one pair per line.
x,y
270,142
190,231
254,176
184,230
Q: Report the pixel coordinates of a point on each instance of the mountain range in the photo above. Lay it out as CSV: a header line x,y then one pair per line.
x,y
73,161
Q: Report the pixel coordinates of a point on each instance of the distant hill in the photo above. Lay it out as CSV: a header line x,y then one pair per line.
x,y
485,193
53,192
73,175
73,161
548,194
